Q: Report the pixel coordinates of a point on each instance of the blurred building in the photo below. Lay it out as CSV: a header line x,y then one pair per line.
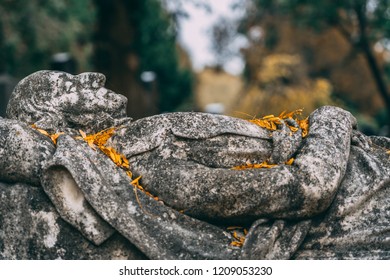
x,y
63,62
216,91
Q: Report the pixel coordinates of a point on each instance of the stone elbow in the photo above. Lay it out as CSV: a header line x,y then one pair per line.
x,y
317,198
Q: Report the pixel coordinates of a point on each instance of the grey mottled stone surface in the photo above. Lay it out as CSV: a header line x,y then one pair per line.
x,y
30,228
57,101
332,202
23,152
148,224
209,189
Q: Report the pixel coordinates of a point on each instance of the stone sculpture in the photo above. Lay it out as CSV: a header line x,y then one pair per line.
x,y
331,202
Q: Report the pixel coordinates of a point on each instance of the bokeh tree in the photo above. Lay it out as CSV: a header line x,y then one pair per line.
x,y
223,33
335,38
282,84
136,37
32,31
132,42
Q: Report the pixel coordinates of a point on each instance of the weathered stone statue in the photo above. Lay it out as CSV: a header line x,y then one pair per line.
x,y
333,201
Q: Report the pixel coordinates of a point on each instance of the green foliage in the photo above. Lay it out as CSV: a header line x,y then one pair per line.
x,y
156,47
137,36
31,31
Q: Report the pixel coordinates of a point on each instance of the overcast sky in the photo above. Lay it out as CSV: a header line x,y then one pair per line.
x,y
194,34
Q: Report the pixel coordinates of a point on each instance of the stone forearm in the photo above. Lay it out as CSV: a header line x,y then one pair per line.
x,y
303,189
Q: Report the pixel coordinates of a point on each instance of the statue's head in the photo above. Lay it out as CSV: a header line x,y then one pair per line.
x,y
57,100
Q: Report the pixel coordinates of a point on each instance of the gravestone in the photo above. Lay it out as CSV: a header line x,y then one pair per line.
x,y
81,180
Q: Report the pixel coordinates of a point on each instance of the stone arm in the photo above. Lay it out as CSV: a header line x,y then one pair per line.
x,y
23,152
301,190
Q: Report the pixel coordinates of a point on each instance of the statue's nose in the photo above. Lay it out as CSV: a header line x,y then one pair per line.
x,y
93,79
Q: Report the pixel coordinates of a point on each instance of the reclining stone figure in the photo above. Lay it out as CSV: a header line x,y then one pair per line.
x,y
331,202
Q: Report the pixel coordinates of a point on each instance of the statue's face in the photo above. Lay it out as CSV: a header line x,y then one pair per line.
x,y
85,94
56,100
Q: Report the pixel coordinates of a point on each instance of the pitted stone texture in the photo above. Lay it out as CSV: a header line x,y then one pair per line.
x,y
332,202
356,225
146,134
56,101
23,152
276,239
285,143
30,228
73,208
208,189
158,231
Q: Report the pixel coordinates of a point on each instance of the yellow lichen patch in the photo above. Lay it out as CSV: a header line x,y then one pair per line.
x,y
53,137
254,165
388,152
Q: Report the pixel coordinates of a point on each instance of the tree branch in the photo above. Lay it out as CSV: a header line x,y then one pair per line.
x,y
359,9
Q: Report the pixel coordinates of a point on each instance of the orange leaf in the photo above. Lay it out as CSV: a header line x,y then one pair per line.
x,y
236,243
54,137
100,139
304,124
290,161
290,115
44,132
256,165
292,128
233,227
270,122
83,134
136,181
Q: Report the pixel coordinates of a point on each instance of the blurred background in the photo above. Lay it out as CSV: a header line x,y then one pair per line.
x,y
245,58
